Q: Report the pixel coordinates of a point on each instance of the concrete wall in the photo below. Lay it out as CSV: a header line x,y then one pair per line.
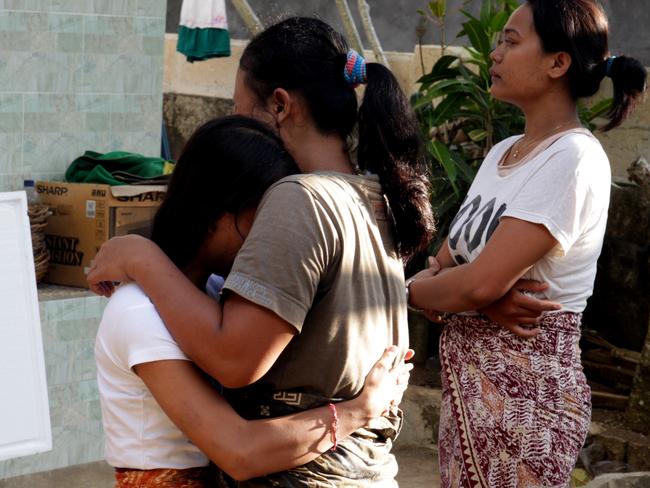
x,y
628,18
201,83
77,75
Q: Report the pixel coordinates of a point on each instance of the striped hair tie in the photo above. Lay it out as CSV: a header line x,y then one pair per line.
x,y
355,69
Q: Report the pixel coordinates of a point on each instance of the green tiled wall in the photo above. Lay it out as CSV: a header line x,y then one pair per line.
x,y
69,327
77,75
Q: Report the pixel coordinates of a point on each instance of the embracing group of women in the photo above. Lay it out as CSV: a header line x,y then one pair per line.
x,y
290,372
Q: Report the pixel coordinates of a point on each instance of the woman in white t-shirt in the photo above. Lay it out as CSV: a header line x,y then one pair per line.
x,y
516,411
163,420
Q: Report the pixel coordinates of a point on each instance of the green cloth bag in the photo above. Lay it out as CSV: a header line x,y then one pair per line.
x,y
118,168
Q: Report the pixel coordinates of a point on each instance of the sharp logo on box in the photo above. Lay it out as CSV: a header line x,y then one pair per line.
x,y
156,196
51,189
63,250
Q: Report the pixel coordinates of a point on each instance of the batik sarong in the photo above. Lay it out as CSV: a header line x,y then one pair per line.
x,y
168,478
515,412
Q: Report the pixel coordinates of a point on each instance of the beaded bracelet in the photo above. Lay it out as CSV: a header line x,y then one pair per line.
x,y
335,426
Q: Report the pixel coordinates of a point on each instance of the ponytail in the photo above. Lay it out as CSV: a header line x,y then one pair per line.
x,y
580,28
390,146
629,80
308,56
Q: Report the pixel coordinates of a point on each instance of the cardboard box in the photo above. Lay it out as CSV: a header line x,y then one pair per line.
x,y
86,215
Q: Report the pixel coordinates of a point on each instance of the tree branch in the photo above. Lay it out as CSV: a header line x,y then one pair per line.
x,y
368,27
248,16
350,27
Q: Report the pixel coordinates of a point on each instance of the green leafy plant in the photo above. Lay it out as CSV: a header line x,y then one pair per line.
x,y
460,118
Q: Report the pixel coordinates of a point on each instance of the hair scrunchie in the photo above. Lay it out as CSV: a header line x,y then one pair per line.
x,y
608,68
355,69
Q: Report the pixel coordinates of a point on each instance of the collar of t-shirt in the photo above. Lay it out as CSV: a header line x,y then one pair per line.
x,y
542,146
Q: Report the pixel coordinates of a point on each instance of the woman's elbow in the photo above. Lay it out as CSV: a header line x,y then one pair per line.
x,y
240,472
238,461
245,461
233,371
238,379
239,469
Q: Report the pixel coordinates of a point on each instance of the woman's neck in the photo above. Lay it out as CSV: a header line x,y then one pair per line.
x,y
550,114
313,151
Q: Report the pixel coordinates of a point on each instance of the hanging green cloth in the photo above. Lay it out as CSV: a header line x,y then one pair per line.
x,y
203,30
118,168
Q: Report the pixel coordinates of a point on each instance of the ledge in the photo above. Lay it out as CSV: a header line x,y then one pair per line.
x,y
48,292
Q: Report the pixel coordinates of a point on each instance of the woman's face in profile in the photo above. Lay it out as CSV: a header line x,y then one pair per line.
x,y
519,64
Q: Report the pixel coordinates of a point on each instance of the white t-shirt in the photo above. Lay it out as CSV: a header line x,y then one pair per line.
x,y
138,433
565,187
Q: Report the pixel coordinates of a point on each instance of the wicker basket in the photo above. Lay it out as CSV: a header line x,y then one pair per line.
x,y
38,214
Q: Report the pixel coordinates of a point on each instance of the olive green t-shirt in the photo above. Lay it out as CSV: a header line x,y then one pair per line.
x,y
321,255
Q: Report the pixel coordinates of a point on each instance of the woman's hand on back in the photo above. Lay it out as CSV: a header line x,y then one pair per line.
x,y
116,260
385,384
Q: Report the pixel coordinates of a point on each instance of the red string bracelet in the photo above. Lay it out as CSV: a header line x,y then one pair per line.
x,y
335,426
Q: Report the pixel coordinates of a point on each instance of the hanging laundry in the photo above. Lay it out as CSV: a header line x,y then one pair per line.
x,y
203,30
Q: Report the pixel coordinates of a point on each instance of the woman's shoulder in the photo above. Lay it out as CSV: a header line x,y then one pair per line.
x,y
128,295
122,319
580,149
578,156
579,140
321,186
126,300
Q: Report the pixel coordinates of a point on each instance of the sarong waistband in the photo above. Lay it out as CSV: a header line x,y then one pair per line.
x,y
566,322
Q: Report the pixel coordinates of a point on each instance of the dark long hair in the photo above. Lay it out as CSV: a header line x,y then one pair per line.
x,y
580,28
307,56
226,166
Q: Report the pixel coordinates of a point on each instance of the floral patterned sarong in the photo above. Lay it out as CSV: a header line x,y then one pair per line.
x,y
207,477
514,412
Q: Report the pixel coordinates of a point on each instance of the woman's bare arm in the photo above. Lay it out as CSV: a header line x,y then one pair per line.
x,y
236,344
245,449
515,246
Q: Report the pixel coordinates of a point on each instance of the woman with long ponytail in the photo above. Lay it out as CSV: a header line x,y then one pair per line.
x,y
316,292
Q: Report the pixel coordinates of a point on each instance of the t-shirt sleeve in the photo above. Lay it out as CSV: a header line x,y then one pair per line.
x,y
140,336
557,195
289,249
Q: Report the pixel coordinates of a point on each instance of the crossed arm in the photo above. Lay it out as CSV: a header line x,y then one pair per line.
x,y
491,283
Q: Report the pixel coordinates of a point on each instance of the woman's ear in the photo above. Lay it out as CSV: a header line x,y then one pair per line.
x,y
281,104
561,64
